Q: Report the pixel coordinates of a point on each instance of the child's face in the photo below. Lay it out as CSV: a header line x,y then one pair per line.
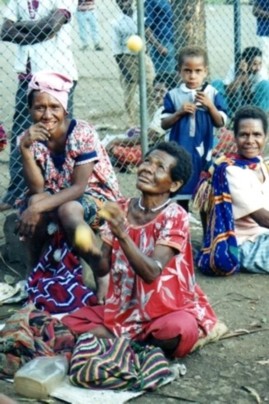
x,y
193,71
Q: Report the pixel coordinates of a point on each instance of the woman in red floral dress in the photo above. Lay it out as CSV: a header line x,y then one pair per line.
x,y
152,294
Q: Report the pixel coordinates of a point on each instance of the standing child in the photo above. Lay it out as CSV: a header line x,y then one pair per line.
x,y
191,111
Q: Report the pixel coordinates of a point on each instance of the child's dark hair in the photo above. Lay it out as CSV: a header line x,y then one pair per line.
x,y
182,170
192,51
250,53
250,112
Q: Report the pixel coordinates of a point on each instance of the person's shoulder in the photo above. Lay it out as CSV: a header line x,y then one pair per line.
x,y
174,92
81,123
84,128
176,89
173,209
211,90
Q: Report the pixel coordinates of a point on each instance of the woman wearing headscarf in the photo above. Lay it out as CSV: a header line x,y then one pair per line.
x,y
67,171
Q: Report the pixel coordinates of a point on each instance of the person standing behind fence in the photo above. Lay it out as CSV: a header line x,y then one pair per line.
x,y
191,111
261,12
42,32
159,21
127,61
88,24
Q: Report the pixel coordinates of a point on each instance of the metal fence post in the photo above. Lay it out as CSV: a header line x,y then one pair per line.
x,y
142,79
237,34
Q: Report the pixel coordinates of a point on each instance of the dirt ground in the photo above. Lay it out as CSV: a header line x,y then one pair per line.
x,y
233,370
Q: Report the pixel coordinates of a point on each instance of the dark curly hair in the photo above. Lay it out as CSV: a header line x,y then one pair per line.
x,y
250,53
250,112
182,170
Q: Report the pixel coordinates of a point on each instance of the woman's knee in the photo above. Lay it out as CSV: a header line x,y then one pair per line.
x,y
70,213
179,324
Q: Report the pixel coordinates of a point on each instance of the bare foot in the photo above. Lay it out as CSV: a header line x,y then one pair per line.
x,y
102,332
102,288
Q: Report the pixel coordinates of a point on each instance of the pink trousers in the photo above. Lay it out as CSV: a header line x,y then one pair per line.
x,y
176,324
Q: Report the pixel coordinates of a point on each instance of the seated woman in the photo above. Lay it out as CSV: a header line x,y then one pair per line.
x,y
236,197
152,294
250,85
69,176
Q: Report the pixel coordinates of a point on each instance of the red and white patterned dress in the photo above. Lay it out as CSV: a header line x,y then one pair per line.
x,y
131,303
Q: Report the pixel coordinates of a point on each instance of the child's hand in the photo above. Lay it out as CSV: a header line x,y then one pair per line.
x,y
188,108
202,99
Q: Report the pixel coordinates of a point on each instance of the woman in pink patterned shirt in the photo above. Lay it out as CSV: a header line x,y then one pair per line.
x,y
67,170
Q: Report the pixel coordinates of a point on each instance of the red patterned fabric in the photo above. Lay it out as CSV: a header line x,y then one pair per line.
x,y
226,143
128,154
172,305
3,138
30,333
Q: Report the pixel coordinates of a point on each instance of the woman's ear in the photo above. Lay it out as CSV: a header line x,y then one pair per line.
x,y
175,186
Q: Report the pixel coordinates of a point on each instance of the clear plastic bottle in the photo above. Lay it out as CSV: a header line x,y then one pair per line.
x,y
39,377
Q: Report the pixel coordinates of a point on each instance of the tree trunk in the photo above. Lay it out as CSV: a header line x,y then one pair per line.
x,y
190,23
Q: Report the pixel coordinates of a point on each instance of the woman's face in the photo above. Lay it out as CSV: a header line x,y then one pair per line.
x,y
154,173
250,138
47,110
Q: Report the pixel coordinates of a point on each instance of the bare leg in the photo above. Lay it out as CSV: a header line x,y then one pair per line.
x,y
102,332
71,216
102,288
35,244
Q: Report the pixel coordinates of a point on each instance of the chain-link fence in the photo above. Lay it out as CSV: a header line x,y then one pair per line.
x,y
107,93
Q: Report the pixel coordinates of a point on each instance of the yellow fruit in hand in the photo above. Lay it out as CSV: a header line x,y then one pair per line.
x,y
135,43
103,213
83,237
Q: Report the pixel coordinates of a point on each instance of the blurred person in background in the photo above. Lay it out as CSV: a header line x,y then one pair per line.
x,y
126,152
88,24
249,85
41,29
160,38
261,12
128,62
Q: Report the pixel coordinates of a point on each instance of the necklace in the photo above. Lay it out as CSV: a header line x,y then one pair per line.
x,y
154,209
